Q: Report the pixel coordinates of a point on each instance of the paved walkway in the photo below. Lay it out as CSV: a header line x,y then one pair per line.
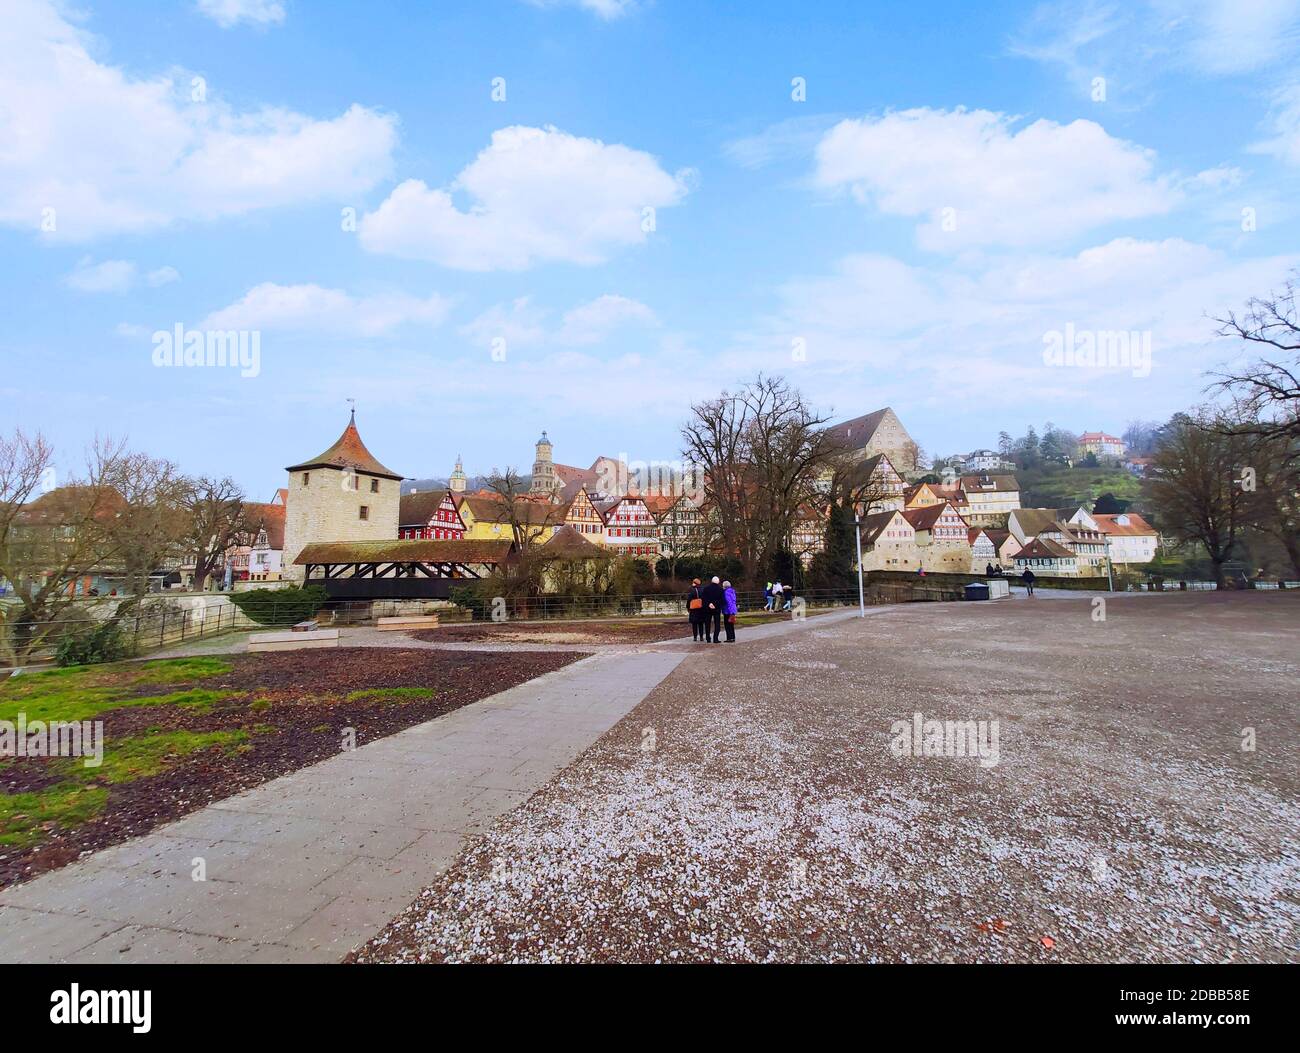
x,y
305,867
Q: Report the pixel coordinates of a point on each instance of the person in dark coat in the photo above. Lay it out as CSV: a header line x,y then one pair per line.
x,y
714,600
1028,578
695,609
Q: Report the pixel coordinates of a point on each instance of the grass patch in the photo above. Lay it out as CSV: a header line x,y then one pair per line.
x,y
142,755
76,702
178,670
393,694
22,815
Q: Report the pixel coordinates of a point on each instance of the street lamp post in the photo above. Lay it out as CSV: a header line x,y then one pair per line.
x,y
857,533
1110,577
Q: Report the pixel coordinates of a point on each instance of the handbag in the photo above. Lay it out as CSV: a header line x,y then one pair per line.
x,y
695,604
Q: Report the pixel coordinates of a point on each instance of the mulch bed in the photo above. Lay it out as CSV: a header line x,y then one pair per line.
x,y
294,706
581,632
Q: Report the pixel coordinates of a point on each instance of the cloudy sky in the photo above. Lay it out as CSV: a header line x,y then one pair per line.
x,y
480,220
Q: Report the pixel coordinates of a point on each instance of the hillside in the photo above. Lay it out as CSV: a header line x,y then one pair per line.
x,y
1053,486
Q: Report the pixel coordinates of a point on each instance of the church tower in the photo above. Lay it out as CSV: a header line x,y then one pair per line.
x,y
344,494
458,481
545,480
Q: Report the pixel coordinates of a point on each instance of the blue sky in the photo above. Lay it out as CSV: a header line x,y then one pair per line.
x,y
955,184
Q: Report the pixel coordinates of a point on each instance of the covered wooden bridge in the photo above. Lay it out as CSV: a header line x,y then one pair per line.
x,y
415,569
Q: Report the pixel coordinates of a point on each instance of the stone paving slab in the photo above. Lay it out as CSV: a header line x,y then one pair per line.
x,y
307,866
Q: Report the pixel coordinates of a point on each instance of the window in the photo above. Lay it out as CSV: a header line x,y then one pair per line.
x,y
374,486
365,511
306,478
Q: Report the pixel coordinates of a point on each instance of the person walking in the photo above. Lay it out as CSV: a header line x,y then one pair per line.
x,y
1028,579
729,609
714,601
767,597
695,609
777,589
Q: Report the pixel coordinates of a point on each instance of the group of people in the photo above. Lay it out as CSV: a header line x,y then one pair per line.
x,y
774,593
711,607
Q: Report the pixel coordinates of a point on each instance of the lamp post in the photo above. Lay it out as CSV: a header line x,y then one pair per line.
x,y
857,533
1110,578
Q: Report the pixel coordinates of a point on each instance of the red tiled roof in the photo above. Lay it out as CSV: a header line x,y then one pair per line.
x,y
873,525
348,451
418,510
998,483
568,543
1136,526
269,516
856,433
925,518
1044,548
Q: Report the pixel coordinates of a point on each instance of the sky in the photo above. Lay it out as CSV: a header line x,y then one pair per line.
x,y
482,220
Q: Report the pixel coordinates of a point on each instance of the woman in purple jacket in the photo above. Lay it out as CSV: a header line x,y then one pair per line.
x,y
729,609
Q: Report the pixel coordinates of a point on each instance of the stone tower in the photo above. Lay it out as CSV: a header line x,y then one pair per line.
x,y
545,480
458,481
344,494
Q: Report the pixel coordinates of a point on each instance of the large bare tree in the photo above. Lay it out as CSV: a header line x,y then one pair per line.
x,y
764,453
215,522
1266,391
1202,485
51,537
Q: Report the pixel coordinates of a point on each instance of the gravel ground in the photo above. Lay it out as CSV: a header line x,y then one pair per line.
x,y
751,808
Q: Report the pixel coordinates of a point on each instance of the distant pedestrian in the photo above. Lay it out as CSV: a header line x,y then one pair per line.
x,y
767,597
1028,579
988,570
729,609
777,590
695,609
714,601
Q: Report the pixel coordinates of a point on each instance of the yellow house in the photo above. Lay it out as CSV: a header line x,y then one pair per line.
x,y
487,517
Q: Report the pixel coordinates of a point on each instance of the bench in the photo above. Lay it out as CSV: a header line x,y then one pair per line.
x,y
406,621
293,641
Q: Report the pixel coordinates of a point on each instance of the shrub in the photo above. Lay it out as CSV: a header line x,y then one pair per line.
x,y
280,606
103,643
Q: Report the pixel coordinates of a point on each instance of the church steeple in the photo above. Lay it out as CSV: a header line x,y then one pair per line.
x,y
458,480
544,478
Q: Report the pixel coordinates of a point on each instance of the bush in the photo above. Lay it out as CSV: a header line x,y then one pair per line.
x,y
280,606
104,643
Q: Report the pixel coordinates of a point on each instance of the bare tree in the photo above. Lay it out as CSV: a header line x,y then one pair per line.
x,y
51,537
148,533
1200,486
1274,507
1266,392
763,452
216,522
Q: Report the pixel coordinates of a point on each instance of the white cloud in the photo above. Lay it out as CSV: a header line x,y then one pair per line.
x,y
1040,184
976,333
536,194
1131,44
519,324
162,276
522,324
227,13
606,9
591,323
1284,127
99,151
115,276
313,309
